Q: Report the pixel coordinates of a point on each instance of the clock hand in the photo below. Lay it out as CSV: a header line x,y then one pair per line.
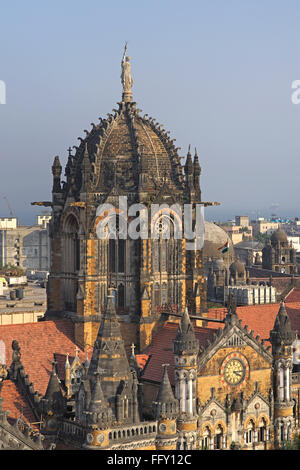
x,y
237,373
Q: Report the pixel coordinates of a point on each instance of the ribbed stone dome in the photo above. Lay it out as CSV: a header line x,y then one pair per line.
x,y
125,148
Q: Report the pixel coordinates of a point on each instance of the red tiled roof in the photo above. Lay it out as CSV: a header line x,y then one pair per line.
x,y
38,342
15,403
161,351
293,296
259,318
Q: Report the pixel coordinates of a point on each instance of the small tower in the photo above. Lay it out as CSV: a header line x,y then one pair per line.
x,y
109,358
278,255
282,337
166,409
99,418
54,403
185,349
238,273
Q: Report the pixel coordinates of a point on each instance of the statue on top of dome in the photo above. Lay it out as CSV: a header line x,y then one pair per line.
x,y
126,78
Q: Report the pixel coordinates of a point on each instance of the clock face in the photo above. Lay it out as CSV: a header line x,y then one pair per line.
x,y
234,370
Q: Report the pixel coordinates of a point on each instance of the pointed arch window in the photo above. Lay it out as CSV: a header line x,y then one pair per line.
x,y
121,295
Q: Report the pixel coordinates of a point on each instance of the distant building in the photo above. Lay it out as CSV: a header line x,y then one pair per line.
x,y
263,226
279,255
295,240
8,222
238,233
249,252
242,220
26,247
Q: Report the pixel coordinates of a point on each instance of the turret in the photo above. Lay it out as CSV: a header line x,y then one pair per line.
x,y
166,410
282,337
54,402
99,418
186,348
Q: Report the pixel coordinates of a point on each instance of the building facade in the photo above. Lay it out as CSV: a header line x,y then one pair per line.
x,y
129,157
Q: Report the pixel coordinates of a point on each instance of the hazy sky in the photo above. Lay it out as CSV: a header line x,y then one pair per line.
x,y
216,73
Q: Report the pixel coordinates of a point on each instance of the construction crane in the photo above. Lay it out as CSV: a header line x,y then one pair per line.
x,y
9,208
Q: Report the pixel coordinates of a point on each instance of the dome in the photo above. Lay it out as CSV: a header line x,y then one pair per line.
x,y
214,238
279,236
124,150
237,267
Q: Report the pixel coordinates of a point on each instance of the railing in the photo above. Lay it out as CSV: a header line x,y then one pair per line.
x,y
72,431
136,431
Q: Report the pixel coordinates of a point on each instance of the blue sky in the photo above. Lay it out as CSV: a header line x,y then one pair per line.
x,y
216,73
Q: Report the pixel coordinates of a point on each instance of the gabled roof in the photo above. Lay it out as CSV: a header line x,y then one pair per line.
x,y
259,318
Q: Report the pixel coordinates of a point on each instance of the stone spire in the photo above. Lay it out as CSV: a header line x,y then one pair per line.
x,y
109,357
188,169
53,395
99,413
86,169
282,333
166,405
185,341
197,171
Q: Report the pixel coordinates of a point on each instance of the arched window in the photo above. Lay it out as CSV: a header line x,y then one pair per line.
x,y
218,438
249,435
262,430
206,438
116,255
121,295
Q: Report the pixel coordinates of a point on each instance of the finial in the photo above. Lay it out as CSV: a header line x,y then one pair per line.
x,y
67,364
132,349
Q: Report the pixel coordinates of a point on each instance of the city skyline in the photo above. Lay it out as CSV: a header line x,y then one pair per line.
x,y
217,77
